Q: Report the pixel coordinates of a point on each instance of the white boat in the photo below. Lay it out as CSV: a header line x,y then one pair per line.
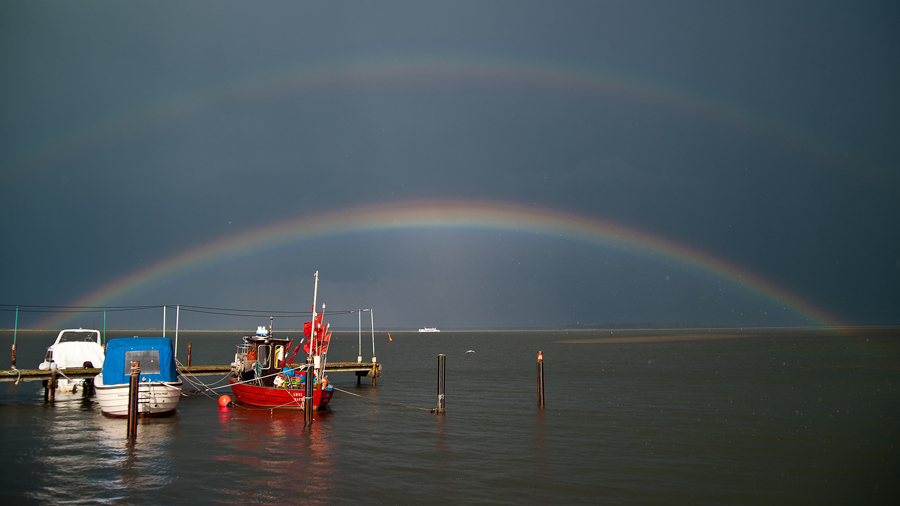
x,y
429,329
73,349
159,386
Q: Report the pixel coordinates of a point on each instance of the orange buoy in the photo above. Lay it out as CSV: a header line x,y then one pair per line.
x,y
225,401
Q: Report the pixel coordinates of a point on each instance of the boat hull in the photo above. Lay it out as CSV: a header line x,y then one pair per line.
x,y
155,398
272,397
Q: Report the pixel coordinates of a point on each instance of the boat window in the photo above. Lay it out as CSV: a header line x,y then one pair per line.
x,y
262,354
279,355
149,360
78,337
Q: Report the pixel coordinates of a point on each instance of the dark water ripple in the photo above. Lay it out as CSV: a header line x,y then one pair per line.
x,y
783,416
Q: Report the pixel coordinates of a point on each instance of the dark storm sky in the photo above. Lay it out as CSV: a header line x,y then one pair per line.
x,y
130,132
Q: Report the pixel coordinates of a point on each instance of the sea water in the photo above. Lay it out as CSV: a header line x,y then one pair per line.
x,y
704,416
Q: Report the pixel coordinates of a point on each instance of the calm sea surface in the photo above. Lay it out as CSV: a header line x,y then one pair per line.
x,y
764,416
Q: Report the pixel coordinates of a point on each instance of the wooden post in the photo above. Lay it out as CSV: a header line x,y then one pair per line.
x,y
133,388
540,379
189,354
308,396
442,361
53,383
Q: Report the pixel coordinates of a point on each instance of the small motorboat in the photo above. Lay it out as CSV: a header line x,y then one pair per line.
x,y
74,349
159,386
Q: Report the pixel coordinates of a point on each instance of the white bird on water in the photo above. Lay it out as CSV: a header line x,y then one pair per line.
x,y
470,351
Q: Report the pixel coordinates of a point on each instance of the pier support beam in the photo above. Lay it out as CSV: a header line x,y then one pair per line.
x,y
52,385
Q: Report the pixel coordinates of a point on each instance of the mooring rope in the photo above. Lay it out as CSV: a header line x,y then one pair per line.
x,y
430,410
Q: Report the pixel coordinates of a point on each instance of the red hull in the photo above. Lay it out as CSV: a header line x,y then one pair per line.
x,y
271,397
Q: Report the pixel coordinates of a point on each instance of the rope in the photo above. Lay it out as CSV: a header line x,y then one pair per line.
x,y
430,410
193,381
188,377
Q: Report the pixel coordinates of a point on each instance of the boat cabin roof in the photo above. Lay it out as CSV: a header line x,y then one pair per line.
x,y
154,353
78,336
266,340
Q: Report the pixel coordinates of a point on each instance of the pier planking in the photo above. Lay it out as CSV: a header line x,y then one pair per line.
x,y
37,374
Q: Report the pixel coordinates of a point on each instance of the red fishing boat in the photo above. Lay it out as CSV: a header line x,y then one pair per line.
x,y
262,375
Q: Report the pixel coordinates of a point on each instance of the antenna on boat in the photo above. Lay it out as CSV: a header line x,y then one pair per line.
x,y
271,319
359,353
313,333
324,354
177,316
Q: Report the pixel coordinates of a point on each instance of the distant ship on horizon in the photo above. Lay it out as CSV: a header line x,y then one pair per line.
x,y
429,329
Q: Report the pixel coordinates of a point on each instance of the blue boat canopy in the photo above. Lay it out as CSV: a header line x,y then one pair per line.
x,y
154,353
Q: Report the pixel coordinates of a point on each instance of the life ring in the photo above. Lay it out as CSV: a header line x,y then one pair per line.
x,y
251,355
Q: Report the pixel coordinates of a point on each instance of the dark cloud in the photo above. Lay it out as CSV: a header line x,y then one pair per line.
x,y
759,133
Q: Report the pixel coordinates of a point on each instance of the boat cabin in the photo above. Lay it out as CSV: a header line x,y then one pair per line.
x,y
262,356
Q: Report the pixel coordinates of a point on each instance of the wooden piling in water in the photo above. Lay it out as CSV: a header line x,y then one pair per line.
x,y
133,387
52,385
189,354
442,361
308,396
540,379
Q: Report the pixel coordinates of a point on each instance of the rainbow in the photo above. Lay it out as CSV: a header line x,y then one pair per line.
x,y
505,73
450,214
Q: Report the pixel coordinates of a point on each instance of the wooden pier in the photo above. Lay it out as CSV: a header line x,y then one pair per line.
x,y
360,368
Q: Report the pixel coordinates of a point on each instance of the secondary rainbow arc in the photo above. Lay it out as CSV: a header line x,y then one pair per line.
x,y
464,70
443,214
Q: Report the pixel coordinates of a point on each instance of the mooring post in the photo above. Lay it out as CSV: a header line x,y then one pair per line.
x,y
540,379
133,387
442,361
308,395
53,383
189,354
